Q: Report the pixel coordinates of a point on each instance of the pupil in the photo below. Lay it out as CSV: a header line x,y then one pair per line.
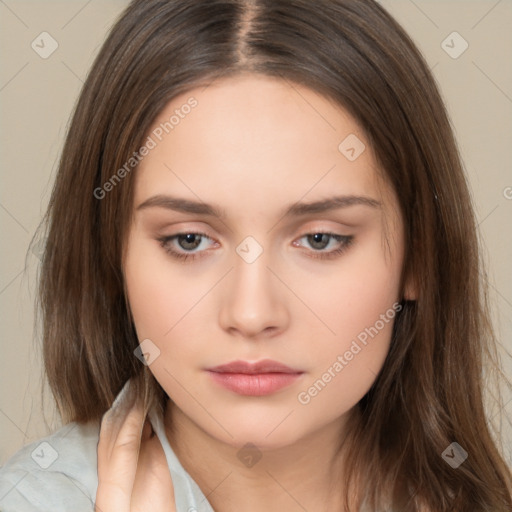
x,y
317,239
189,239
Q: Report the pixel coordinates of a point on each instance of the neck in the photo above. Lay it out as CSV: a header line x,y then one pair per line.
x,y
305,475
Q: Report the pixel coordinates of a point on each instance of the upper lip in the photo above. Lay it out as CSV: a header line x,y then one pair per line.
x,y
264,366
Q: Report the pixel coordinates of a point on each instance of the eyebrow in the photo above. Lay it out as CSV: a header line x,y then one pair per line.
x,y
295,209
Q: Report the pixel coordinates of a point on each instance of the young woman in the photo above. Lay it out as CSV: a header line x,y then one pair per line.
x,y
261,242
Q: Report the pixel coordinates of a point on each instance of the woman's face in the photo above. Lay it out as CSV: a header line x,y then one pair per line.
x,y
278,164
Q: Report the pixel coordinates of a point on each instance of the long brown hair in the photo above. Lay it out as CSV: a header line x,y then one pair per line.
x,y
430,392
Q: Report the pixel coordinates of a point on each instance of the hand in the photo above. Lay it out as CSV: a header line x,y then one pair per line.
x,y
133,475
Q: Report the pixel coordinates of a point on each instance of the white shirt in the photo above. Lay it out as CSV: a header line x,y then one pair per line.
x,y
58,473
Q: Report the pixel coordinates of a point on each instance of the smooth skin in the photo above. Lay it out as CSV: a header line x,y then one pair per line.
x,y
254,145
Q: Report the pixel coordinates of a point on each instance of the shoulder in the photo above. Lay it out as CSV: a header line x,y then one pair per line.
x,y
57,472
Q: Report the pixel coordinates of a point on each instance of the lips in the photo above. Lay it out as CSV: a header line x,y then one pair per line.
x,y
254,379
244,367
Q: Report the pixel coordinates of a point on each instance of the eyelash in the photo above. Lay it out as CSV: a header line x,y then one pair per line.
x,y
345,240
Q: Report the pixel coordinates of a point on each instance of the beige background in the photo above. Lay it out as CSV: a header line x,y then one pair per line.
x,y
37,96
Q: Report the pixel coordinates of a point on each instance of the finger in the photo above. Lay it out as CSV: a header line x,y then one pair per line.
x,y
153,489
118,450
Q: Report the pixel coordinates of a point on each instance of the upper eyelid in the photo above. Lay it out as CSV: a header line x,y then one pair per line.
x,y
205,234
310,230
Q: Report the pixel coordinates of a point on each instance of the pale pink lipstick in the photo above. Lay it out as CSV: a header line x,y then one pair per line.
x,y
254,379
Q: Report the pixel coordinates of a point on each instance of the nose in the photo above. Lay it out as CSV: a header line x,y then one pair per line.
x,y
254,300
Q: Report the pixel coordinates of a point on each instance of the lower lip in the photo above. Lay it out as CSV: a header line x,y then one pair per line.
x,y
254,385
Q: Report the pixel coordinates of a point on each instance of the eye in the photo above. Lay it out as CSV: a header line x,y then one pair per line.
x,y
187,241
321,240
188,244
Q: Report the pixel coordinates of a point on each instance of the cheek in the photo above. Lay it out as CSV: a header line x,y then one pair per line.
x,y
358,303
353,295
159,293
170,307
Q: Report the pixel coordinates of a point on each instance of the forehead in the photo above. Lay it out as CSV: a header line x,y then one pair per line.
x,y
256,138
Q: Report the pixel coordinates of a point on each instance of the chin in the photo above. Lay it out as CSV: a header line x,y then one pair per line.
x,y
264,434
